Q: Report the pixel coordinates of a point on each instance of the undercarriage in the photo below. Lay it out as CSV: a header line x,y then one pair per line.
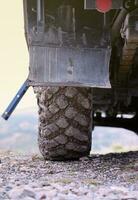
x,y
122,99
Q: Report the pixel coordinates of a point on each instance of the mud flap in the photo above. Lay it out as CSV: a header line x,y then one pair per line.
x,y
71,67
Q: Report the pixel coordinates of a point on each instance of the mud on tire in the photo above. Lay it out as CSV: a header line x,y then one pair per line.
x,y
65,122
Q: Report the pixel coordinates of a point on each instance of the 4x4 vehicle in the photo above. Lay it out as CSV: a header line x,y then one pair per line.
x,y
84,70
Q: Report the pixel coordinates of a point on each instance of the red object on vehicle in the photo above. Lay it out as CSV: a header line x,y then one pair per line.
x,y
103,5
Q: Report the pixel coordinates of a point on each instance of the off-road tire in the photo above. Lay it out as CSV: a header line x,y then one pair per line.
x,y
65,122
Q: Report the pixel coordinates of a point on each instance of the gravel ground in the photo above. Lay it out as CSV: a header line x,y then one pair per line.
x,y
99,177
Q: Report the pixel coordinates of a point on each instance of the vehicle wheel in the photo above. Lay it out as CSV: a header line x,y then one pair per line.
x,y
65,122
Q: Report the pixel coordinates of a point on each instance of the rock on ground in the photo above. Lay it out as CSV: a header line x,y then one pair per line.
x,y
99,177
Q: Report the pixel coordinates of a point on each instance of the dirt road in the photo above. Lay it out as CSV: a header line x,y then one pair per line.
x,y
99,177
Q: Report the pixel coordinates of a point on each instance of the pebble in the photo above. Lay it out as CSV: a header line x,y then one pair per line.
x,y
95,178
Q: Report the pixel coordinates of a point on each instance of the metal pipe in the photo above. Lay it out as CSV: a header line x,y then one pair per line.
x,y
7,113
40,13
39,10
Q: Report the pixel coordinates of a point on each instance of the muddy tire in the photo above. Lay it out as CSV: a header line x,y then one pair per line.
x,y
65,122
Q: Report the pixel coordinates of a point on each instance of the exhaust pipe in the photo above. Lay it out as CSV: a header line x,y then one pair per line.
x,y
115,32
128,6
